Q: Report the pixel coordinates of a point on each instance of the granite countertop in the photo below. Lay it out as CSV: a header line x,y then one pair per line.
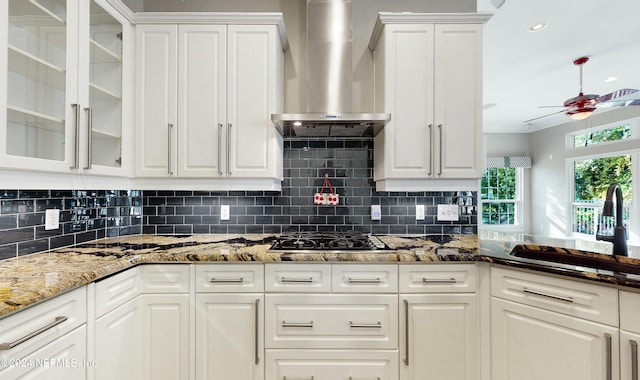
x,y
30,279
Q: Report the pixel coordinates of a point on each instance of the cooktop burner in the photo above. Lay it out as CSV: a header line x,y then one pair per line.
x,y
327,241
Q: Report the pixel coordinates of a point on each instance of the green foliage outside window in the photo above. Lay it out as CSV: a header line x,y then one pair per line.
x,y
612,134
593,177
498,185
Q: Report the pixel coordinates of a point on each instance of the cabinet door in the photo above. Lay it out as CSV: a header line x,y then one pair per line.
x,y
253,93
629,355
229,336
101,89
38,112
118,343
156,83
165,336
63,359
404,87
202,131
439,337
458,101
531,344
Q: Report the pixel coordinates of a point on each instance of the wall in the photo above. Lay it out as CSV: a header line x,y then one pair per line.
x,y
348,164
550,186
85,215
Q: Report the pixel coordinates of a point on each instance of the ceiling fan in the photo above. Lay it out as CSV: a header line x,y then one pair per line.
x,y
582,106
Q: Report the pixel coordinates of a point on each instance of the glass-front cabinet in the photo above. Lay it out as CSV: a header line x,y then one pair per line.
x,y
62,93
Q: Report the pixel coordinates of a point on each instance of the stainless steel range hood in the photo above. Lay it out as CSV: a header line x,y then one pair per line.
x,y
329,79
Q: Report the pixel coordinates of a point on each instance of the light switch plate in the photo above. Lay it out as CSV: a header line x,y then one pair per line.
x,y
376,212
447,213
419,212
224,212
51,219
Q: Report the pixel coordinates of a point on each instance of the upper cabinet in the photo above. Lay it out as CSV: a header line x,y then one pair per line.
x,y
205,93
428,76
62,98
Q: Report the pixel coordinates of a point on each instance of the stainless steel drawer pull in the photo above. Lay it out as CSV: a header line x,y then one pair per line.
x,y
634,359
376,280
297,280
56,322
376,325
297,324
548,295
226,280
450,280
609,359
297,378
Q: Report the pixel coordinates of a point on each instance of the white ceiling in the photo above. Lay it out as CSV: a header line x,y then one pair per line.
x,y
524,70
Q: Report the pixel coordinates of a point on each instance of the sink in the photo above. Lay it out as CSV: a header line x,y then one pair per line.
x,y
577,258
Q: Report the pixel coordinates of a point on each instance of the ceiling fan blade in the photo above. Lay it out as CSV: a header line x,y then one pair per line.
x,y
543,116
617,95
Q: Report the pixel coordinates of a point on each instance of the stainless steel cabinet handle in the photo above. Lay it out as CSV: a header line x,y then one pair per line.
x,y
299,378
634,359
440,150
10,345
439,280
257,330
609,364
406,332
297,280
376,280
89,112
548,295
430,149
226,280
76,144
229,148
297,324
169,169
220,126
377,325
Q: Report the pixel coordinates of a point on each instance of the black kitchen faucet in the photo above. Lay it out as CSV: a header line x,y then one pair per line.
x,y
619,238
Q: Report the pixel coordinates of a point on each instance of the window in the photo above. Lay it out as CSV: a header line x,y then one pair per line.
x,y
500,196
594,137
592,177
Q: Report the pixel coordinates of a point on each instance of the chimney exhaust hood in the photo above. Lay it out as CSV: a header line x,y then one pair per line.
x,y
329,79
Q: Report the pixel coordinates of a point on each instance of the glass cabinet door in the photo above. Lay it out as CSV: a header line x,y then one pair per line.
x,y
105,89
36,79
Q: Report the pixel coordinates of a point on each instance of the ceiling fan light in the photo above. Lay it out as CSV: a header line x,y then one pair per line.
x,y
580,113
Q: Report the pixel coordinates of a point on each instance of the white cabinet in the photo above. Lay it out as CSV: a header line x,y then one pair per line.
x,y
428,76
48,340
62,101
229,325
629,334
557,328
439,322
205,95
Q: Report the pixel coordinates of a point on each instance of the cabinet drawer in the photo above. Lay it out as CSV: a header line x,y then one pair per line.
x,y
331,321
44,323
630,311
116,290
165,278
331,365
358,278
229,278
579,299
298,278
438,278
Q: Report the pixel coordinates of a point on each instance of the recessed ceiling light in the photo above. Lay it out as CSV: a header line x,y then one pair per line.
x,y
537,27
611,79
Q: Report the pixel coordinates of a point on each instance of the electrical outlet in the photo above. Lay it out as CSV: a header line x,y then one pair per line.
x,y
52,219
224,212
447,213
419,212
376,212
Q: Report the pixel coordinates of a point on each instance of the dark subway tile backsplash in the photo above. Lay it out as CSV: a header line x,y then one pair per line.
x,y
91,214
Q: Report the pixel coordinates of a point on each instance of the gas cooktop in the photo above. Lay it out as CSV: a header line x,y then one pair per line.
x,y
328,242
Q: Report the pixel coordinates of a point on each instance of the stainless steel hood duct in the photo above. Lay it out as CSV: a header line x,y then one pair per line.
x,y
329,78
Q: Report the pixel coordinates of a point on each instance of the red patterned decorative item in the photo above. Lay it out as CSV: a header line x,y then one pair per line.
x,y
322,198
